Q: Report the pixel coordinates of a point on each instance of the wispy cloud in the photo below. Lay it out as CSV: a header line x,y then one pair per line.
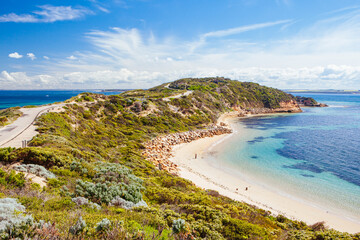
x,y
72,57
31,56
100,6
47,14
15,55
237,30
325,54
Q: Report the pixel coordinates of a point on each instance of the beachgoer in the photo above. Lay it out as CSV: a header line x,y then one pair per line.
x,y
246,188
195,155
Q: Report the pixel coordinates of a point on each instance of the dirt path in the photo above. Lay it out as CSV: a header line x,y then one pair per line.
x,y
23,128
167,99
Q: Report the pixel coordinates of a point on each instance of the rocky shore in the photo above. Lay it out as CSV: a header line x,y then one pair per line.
x,y
159,150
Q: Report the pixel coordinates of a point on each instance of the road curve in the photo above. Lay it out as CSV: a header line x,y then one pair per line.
x,y
23,128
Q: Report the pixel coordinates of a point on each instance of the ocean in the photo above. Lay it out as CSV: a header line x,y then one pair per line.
x,y
312,156
14,98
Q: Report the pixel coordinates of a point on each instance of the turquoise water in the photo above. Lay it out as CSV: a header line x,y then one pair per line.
x,y
312,156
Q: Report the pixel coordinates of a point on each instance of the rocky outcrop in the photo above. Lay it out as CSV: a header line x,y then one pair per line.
x,y
289,107
285,107
159,150
309,102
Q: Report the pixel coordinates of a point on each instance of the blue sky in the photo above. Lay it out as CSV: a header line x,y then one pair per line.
x,y
288,44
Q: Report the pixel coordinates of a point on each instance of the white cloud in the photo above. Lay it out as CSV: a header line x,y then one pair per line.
x,y
15,55
46,57
5,76
100,6
12,17
237,30
31,56
323,55
48,13
72,57
328,77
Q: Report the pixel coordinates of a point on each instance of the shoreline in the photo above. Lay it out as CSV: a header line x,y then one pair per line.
x,y
202,174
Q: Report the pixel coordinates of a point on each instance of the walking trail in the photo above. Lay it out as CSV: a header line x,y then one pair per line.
x,y
23,128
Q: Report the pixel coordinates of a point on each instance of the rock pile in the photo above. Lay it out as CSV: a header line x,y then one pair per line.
x,y
159,150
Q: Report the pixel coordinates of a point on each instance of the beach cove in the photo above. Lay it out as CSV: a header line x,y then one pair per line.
x,y
208,172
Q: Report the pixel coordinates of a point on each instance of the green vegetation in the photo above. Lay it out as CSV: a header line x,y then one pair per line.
x,y
307,101
95,150
9,115
10,179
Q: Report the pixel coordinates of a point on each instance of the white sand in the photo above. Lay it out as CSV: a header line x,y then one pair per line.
x,y
208,177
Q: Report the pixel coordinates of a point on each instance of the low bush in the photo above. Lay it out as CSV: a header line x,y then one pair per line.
x,y
11,179
35,169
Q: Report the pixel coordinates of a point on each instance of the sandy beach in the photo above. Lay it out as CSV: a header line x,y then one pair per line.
x,y
200,172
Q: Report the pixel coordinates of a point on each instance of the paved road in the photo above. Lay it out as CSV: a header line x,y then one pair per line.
x,y
23,129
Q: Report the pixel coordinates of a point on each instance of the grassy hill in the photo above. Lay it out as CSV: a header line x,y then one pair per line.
x,y
105,189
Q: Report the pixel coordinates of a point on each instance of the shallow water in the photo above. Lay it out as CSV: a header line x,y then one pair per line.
x,y
312,156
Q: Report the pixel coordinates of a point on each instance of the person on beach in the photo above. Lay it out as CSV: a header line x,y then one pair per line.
x,y
195,155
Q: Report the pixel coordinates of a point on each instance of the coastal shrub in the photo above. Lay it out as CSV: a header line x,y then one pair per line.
x,y
78,227
83,168
81,201
204,231
9,115
35,169
13,223
57,203
105,192
111,180
79,144
239,229
181,229
114,172
56,182
120,202
103,225
4,153
11,179
41,156
178,226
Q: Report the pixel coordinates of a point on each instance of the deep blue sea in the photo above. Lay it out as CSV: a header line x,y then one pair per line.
x,y
13,98
313,156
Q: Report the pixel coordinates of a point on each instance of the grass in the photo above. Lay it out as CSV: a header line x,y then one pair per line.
x,y
9,115
107,131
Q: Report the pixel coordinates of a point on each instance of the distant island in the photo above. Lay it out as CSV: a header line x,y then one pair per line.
x,y
99,168
114,90
329,91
